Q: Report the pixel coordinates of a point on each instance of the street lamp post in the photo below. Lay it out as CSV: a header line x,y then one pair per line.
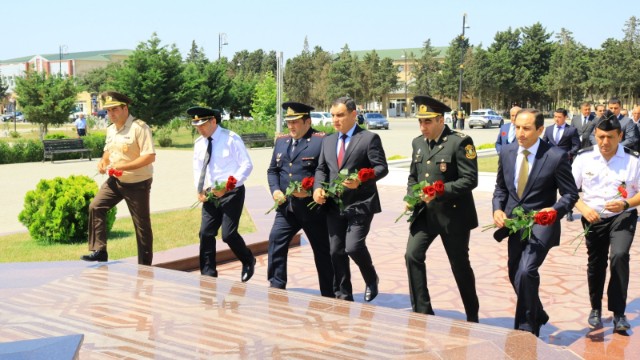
x,y
464,18
63,50
222,40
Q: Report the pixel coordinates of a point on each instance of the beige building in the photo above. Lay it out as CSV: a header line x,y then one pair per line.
x,y
394,104
64,64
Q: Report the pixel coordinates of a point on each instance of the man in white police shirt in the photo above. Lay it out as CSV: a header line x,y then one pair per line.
x,y
605,173
295,156
217,154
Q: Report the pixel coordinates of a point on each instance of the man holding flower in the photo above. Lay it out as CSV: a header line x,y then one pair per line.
x,y
610,177
291,178
444,171
349,214
530,174
221,165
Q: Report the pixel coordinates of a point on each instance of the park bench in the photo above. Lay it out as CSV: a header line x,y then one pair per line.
x,y
64,146
257,139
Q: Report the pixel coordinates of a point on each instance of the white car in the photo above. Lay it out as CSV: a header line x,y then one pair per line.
x,y
485,118
320,118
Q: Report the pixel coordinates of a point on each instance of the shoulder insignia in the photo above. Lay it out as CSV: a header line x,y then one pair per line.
x,y
460,134
631,152
470,152
319,134
283,136
140,122
587,149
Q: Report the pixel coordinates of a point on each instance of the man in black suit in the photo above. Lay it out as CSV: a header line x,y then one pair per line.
x,y
530,174
630,133
350,149
295,157
562,134
581,123
440,154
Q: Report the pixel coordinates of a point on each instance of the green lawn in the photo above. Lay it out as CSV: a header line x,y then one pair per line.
x,y
171,229
488,164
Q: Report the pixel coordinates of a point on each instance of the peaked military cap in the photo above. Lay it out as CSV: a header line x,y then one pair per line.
x,y
296,110
112,99
200,115
608,122
428,107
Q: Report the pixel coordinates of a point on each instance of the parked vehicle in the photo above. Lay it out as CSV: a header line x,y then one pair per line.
x,y
9,116
320,118
376,121
485,118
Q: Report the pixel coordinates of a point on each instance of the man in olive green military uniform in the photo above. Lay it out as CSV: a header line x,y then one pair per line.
x,y
449,156
127,159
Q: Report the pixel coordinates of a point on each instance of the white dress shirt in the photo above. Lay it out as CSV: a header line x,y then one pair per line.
x,y
532,158
229,157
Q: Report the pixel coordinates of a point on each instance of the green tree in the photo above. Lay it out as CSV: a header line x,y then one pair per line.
x,y
263,107
243,90
426,70
448,80
341,77
153,78
98,80
479,80
3,87
45,99
322,62
298,76
567,70
533,64
386,79
196,55
502,56
207,84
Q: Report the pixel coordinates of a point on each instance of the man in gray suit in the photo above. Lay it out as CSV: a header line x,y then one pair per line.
x,y
350,148
581,123
630,132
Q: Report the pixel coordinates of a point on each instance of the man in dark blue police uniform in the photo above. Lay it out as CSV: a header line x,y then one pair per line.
x,y
295,157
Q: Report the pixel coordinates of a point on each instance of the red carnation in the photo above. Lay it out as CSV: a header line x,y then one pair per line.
x,y
429,190
439,187
114,172
307,183
231,183
623,191
504,133
366,174
545,218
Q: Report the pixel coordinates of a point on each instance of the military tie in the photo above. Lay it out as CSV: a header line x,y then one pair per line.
x,y
207,158
342,149
558,134
292,150
524,172
432,144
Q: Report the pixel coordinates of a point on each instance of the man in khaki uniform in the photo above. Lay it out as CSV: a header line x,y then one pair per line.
x,y
127,158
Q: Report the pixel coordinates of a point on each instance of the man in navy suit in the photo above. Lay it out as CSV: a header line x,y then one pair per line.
x,y
581,122
295,157
630,133
507,133
530,174
350,148
562,134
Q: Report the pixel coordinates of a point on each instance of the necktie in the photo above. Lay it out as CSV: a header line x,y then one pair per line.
x,y
341,152
512,133
432,143
294,143
207,158
558,133
584,121
524,172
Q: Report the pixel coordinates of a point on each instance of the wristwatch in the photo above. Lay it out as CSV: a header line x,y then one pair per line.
x,y
626,204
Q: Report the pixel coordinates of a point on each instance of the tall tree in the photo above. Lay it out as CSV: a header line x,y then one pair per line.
x,y
386,79
263,107
196,54
448,81
370,68
567,70
502,57
298,76
322,62
533,64
3,87
152,77
98,80
243,90
426,70
341,78
45,99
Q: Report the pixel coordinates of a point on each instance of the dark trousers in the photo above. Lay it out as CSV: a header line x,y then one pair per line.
x,y
82,132
137,197
227,216
525,258
347,239
616,232
457,249
285,227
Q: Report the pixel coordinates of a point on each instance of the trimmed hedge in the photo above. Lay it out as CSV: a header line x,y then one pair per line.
x,y
32,150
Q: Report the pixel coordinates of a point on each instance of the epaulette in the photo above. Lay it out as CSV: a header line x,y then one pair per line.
x,y
283,136
631,152
459,134
319,134
587,149
140,122
419,137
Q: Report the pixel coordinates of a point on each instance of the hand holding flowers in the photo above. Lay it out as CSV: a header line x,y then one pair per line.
x,y
217,191
524,221
299,189
335,188
421,191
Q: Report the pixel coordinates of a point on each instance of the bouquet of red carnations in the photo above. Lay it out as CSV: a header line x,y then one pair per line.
x,y
228,185
524,221
295,186
335,188
418,192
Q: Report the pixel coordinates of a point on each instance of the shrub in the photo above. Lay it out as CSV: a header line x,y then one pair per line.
x,y
55,136
57,211
163,135
95,142
14,134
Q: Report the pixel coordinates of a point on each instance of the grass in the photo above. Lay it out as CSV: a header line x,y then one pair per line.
x,y
171,229
488,164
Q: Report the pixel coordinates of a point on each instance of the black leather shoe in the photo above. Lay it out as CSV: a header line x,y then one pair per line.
x,y
100,255
620,323
247,270
595,319
371,291
570,216
544,317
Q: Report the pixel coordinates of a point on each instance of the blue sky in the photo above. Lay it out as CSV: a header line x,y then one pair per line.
x,y
40,27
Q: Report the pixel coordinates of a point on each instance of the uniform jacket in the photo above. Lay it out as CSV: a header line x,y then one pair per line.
x,y
550,173
284,169
364,151
452,160
569,142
